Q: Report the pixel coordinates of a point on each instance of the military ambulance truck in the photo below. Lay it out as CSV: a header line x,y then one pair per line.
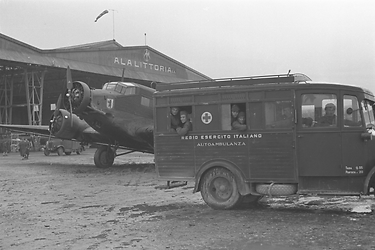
x,y
296,136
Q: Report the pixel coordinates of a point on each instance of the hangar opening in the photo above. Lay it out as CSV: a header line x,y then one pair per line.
x,y
31,79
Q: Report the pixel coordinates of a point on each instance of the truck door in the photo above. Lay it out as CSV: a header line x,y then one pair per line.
x,y
354,153
319,142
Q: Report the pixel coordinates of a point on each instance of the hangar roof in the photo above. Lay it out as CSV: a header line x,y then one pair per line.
x,y
106,58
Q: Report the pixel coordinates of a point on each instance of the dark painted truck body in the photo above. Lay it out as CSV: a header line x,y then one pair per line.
x,y
287,147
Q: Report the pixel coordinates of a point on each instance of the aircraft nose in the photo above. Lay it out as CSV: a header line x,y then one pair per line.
x,y
77,98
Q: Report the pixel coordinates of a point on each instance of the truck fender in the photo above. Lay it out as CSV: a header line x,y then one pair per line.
x,y
240,179
366,184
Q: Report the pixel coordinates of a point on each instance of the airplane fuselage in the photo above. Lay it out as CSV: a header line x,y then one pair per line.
x,y
123,112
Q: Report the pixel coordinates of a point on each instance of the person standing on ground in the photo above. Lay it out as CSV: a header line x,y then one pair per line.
x,y
6,147
24,146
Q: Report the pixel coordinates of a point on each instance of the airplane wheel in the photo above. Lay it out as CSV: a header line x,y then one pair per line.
x,y
104,157
60,151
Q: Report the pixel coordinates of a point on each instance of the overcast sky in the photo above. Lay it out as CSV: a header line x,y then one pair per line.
x,y
330,40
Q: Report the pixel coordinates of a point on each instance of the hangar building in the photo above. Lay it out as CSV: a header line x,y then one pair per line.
x,y
31,79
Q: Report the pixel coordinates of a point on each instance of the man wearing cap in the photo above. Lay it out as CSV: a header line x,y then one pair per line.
x,y
235,110
185,126
175,118
240,123
287,119
329,118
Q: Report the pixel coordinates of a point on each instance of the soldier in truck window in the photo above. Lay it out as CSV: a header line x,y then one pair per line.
x,y
175,118
329,118
240,123
286,119
235,110
185,126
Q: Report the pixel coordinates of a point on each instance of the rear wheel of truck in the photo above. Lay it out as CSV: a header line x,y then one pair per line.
x,y
219,189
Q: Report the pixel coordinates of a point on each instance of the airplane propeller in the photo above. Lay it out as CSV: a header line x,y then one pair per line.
x,y
58,104
69,86
69,83
54,124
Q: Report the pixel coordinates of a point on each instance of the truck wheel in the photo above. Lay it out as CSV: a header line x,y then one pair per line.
x,y
46,152
219,189
60,151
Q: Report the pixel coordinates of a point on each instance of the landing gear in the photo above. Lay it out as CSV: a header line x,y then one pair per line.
x,y
104,157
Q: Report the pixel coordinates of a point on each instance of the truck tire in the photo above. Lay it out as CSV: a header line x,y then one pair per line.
x,y
219,189
60,151
276,189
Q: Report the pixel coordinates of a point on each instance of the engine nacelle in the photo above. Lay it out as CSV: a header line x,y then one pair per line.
x,y
79,95
66,126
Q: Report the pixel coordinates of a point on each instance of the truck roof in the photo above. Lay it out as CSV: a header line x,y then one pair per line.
x,y
296,80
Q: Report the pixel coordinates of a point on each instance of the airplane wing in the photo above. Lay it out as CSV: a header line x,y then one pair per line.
x,y
40,130
88,135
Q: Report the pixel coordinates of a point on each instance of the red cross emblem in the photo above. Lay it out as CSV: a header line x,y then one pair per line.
x,y
206,117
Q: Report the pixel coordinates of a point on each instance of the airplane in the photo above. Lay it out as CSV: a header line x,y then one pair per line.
x,y
118,116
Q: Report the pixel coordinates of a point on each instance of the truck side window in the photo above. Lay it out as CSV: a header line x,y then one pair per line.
x,y
319,110
226,117
233,116
279,114
255,115
351,112
238,116
177,122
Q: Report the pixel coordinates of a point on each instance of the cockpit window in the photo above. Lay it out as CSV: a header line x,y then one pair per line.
x,y
124,88
110,85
